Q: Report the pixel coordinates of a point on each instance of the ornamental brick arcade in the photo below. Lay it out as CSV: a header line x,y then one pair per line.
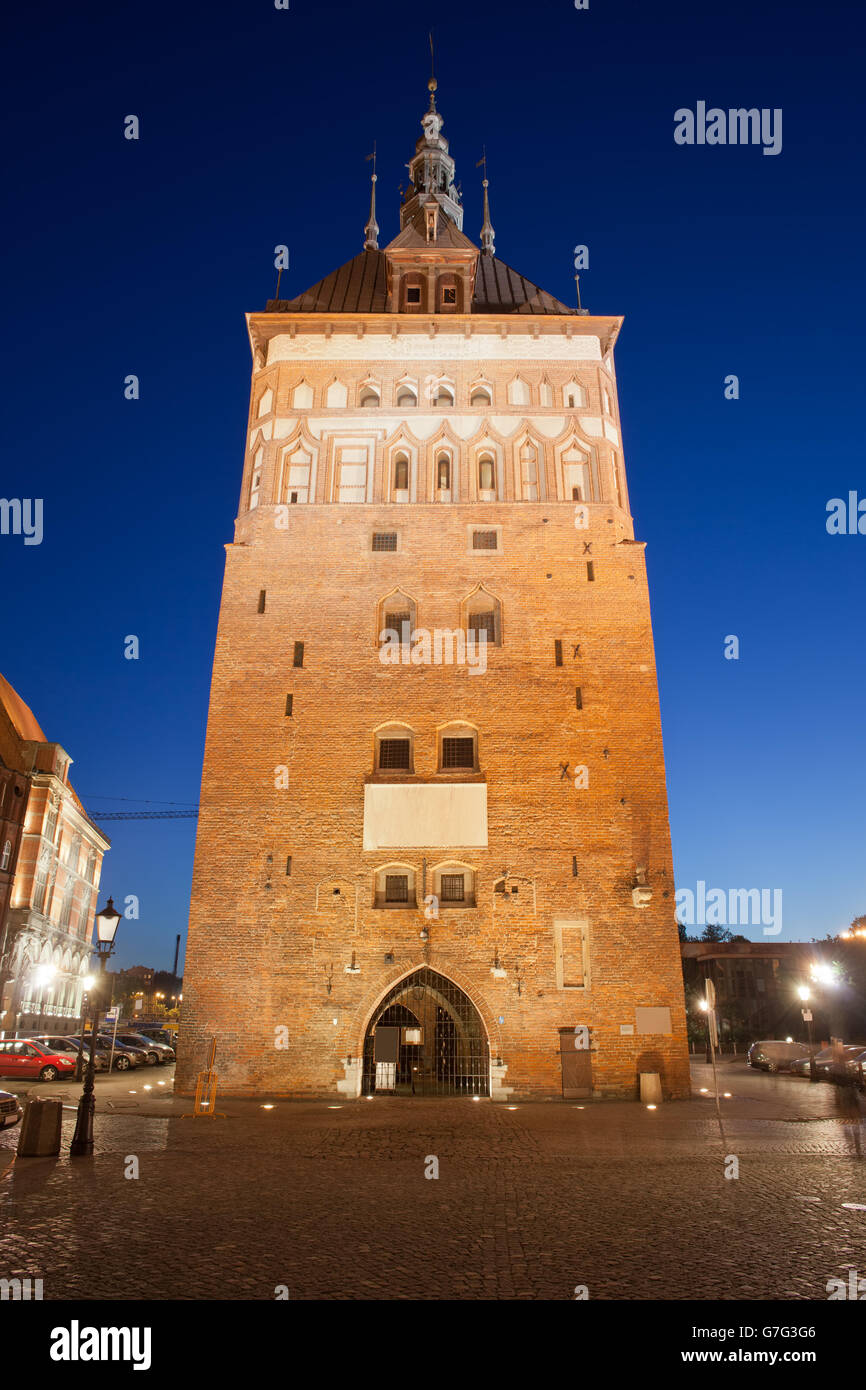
x,y
433,852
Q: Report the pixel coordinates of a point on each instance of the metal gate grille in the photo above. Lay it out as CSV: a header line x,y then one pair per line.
x,y
443,1047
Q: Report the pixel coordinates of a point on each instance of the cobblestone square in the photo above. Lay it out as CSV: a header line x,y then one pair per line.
x,y
330,1199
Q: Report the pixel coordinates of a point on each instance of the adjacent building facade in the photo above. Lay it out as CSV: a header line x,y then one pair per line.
x,y
57,854
433,853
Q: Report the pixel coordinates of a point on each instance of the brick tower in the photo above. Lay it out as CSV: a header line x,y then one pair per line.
x,y
433,852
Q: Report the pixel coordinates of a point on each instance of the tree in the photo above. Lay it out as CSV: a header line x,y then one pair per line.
x,y
712,933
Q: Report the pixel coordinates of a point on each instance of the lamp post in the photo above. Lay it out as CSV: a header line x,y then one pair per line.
x,y
805,994
87,985
106,929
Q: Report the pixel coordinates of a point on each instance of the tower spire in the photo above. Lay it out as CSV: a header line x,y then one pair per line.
x,y
487,232
431,170
371,231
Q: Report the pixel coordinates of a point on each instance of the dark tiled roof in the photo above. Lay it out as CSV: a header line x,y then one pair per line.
x,y
360,287
501,290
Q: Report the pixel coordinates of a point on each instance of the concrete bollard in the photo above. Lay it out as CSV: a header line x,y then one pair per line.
x,y
40,1129
650,1087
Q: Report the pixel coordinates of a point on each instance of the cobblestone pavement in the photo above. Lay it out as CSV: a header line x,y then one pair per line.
x,y
331,1199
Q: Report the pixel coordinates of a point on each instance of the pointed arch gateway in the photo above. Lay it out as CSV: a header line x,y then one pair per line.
x,y
426,1038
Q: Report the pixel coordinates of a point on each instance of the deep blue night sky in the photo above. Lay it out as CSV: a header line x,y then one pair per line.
x,y
126,257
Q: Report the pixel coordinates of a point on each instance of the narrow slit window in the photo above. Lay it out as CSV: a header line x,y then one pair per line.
x,y
263,593
289,703
574,866
401,474
557,652
590,570
578,697
443,472
575,495
298,658
486,475
288,866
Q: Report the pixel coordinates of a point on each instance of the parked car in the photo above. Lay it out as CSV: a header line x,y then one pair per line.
x,y
829,1066
154,1030
10,1110
24,1057
157,1052
775,1055
69,1047
124,1055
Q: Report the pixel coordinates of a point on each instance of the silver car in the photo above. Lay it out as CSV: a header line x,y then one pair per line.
x,y
10,1110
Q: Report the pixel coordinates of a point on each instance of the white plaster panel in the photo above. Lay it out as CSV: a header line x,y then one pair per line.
x,y
551,426
452,815
591,425
480,347
611,432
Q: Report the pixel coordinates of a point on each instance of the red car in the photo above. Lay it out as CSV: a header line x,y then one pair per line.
x,y
21,1057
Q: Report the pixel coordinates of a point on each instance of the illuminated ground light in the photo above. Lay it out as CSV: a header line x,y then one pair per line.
x,y
652,1107
368,1097
726,1095
511,1107
703,1090
148,1088
267,1107
160,1083
133,1093
335,1107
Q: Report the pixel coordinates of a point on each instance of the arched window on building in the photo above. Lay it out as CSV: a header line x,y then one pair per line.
x,y
454,885
458,748
401,478
528,471
368,397
443,397
480,396
394,886
483,618
487,478
443,476
397,620
406,397
394,749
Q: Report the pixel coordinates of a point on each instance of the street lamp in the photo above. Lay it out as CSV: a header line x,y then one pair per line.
x,y
806,994
106,930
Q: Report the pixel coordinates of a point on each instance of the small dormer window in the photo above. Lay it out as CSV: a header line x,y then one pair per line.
x,y
449,295
432,222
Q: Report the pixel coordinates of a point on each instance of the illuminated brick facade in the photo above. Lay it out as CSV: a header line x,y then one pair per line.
x,y
434,452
